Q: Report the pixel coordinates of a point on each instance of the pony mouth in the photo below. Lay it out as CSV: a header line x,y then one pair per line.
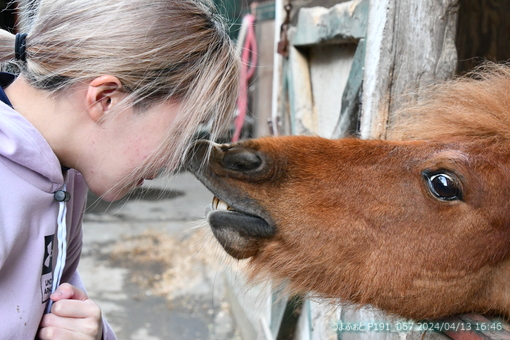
x,y
220,206
238,232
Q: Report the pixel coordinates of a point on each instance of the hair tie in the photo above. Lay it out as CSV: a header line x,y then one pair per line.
x,y
20,46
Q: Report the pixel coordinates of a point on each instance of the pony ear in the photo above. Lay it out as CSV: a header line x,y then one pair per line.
x,y
103,94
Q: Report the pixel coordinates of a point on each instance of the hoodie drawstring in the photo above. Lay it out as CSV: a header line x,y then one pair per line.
x,y
62,196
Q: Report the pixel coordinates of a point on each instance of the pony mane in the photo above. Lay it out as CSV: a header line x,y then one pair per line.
x,y
476,105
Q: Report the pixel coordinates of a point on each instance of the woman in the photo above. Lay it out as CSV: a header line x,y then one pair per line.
x,y
108,94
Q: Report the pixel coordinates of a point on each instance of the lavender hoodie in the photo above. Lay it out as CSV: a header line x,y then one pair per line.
x,y
30,173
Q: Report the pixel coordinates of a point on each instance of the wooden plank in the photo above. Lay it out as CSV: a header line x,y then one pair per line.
x,y
378,68
318,26
264,78
303,117
242,320
410,44
330,66
347,124
345,22
304,326
424,48
250,307
279,300
278,101
323,317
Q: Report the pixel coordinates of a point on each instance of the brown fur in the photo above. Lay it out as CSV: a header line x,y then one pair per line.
x,y
355,219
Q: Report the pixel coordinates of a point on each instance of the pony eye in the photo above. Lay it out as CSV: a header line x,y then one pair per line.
x,y
444,186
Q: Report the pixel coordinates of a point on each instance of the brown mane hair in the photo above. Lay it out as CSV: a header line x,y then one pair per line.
x,y
474,106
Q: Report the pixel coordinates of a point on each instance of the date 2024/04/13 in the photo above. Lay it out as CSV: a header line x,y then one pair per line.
x,y
416,326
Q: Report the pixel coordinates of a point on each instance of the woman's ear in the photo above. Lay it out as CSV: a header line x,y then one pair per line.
x,y
102,94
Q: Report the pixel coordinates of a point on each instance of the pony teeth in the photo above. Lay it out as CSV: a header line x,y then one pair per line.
x,y
218,204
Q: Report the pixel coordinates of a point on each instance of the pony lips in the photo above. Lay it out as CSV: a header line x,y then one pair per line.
x,y
239,233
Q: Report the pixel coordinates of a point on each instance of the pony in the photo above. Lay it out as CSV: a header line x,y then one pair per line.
x,y
417,224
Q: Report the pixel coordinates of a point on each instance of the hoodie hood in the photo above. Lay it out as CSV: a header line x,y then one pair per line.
x,y
23,145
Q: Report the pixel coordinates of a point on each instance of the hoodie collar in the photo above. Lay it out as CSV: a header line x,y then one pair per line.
x,y
6,79
23,145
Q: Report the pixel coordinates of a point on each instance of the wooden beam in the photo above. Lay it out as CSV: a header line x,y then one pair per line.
x,y
302,110
345,22
410,44
347,124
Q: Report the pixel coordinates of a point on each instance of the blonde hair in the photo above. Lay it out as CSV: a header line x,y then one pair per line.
x,y
159,49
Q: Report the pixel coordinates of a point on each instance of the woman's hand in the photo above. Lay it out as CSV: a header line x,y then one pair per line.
x,y
73,316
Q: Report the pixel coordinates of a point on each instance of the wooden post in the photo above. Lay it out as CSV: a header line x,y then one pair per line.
x,y
410,44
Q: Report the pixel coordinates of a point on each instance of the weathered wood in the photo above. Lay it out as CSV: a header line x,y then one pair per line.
x,y
327,41
345,22
302,110
279,301
347,124
317,321
378,68
329,66
298,5
278,101
250,312
424,48
410,44
264,77
244,322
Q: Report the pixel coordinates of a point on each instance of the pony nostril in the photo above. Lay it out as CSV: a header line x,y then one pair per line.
x,y
241,160
196,155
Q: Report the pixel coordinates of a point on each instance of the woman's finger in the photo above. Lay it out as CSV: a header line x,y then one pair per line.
x,y
55,333
68,291
56,327
54,321
76,309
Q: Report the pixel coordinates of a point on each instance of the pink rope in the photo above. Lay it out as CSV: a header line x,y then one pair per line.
x,y
248,64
